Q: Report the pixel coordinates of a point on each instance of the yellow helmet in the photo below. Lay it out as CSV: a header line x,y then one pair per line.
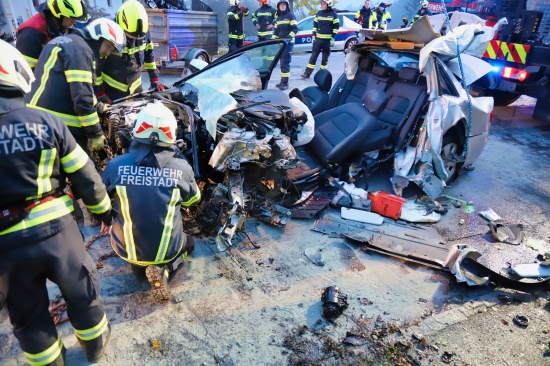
x,y
132,18
74,9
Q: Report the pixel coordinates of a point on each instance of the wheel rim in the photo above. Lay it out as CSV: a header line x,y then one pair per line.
x,y
449,153
202,57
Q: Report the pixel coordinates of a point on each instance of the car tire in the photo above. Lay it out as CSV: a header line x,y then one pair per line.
x,y
196,53
450,148
350,42
504,98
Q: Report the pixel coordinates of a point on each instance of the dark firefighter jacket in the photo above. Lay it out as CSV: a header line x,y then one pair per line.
x,y
64,82
37,154
235,21
326,24
38,30
148,186
419,14
286,25
124,73
364,16
264,16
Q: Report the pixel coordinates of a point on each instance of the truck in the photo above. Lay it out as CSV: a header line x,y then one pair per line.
x,y
519,53
12,14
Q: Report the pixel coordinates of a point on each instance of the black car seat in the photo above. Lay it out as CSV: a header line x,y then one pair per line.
x,y
317,96
346,91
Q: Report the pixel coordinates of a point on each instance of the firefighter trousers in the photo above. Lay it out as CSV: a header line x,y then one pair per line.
x,y
320,46
234,44
60,258
286,57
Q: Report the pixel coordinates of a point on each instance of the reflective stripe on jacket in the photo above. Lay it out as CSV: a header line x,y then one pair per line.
x,y
380,20
364,15
64,83
285,26
326,24
264,16
148,228
37,154
124,73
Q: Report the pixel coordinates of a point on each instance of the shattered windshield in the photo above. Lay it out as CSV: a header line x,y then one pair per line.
x,y
211,89
397,60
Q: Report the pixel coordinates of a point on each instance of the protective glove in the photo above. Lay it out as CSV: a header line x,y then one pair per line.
x,y
312,40
244,9
155,84
332,42
103,98
102,108
98,143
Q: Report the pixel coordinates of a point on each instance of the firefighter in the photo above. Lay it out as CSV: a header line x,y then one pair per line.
x,y
263,19
421,12
149,185
286,26
65,75
325,29
363,16
39,238
118,77
54,18
380,17
235,17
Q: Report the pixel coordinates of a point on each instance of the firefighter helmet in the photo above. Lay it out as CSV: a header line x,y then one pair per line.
x,y
156,125
283,1
108,30
234,2
424,4
132,18
328,2
14,70
74,9
264,2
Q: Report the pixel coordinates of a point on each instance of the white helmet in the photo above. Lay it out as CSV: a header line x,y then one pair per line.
x,y
329,2
14,69
424,4
108,30
234,2
155,124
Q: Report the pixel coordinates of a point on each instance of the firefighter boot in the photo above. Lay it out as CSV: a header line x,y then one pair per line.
x,y
283,85
158,278
95,348
307,73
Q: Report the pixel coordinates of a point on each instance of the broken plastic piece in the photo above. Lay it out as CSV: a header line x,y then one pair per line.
x,y
532,270
490,215
511,234
334,302
361,216
386,204
315,255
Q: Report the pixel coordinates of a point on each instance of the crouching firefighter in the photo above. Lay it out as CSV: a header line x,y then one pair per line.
x,y
118,77
149,185
39,238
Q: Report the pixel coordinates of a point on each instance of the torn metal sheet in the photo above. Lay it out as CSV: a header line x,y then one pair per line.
x,y
474,68
420,32
463,260
315,203
238,146
414,211
420,243
511,234
532,270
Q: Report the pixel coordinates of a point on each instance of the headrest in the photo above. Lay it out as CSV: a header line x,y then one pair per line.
x,y
366,63
409,74
374,100
381,71
323,79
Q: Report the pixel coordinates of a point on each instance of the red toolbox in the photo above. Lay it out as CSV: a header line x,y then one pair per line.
x,y
386,204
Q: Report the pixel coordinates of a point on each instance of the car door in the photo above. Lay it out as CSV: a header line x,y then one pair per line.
x,y
264,56
302,41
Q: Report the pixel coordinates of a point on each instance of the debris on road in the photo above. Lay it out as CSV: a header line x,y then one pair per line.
x,y
510,234
315,255
386,204
532,270
361,216
334,302
490,215
521,321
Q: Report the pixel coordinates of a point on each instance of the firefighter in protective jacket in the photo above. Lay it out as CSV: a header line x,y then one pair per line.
x,y
149,185
39,238
286,26
264,19
363,15
423,11
54,18
381,17
65,76
325,29
118,77
235,17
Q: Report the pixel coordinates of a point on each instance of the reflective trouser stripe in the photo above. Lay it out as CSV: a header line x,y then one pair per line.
x,y
196,198
127,226
101,207
45,169
136,84
75,76
168,225
285,74
72,121
46,74
44,212
310,66
74,160
150,65
47,356
93,333
325,36
323,67
236,36
113,83
31,61
264,34
149,46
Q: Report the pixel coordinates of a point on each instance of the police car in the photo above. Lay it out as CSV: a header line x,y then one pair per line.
x,y
344,39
